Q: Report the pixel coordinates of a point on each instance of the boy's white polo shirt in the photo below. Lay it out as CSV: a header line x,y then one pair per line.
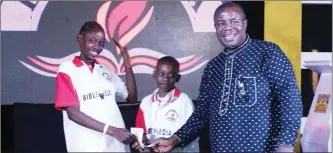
x,y
162,117
93,92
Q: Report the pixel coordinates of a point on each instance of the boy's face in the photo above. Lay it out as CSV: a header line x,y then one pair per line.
x,y
166,75
91,44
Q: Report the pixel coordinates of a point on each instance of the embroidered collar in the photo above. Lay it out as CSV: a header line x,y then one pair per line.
x,y
78,63
233,52
174,94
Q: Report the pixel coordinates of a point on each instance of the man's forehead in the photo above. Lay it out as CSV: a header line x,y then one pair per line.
x,y
228,12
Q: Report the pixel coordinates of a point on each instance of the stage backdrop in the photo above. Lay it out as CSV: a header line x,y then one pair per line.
x,y
39,35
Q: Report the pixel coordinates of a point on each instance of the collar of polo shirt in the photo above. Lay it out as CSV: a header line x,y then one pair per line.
x,y
175,94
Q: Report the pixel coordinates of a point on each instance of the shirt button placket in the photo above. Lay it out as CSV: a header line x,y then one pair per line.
x,y
226,88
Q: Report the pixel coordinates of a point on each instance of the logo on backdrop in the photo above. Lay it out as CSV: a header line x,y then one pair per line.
x,y
21,15
125,21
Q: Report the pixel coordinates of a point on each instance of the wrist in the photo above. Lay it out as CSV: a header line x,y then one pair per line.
x,y
175,140
127,67
110,130
105,129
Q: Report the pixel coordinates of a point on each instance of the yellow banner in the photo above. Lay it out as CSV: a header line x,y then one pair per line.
x,y
283,26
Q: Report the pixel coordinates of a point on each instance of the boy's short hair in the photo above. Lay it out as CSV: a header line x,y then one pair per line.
x,y
90,26
169,59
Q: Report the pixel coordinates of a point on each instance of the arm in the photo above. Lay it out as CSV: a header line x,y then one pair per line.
x,y
140,123
140,120
200,116
130,79
286,93
82,119
66,99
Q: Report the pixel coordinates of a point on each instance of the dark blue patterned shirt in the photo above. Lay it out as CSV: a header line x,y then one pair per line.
x,y
250,99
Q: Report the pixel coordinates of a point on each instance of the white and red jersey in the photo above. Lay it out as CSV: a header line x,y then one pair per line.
x,y
93,91
162,117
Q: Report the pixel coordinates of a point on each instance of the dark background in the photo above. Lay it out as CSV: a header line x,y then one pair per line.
x,y
316,34
28,127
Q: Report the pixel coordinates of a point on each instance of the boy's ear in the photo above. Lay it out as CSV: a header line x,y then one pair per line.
x,y
154,74
79,38
178,77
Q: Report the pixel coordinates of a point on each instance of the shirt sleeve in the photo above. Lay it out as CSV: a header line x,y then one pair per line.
x,y
286,94
65,95
140,120
200,116
188,108
121,87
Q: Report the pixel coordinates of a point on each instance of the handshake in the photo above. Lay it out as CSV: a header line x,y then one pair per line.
x,y
159,145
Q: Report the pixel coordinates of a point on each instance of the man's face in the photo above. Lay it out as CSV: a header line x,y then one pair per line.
x,y
91,44
166,76
230,26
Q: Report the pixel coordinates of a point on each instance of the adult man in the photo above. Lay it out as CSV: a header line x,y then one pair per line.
x,y
248,94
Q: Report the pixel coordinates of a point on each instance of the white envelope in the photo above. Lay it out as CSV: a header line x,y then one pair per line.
x,y
138,132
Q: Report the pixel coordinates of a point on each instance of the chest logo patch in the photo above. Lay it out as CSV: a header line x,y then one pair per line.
x,y
171,115
107,76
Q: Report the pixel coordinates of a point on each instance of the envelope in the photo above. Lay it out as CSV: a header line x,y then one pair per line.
x,y
138,132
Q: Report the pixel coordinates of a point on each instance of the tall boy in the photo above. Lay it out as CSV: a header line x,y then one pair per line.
x,y
85,93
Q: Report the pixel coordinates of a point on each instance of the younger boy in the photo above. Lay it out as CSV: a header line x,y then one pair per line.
x,y
165,110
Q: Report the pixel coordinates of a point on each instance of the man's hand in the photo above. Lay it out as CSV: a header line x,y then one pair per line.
x,y
282,148
165,144
122,135
124,52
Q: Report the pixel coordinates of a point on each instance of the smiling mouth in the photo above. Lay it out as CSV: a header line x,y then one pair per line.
x,y
229,37
93,53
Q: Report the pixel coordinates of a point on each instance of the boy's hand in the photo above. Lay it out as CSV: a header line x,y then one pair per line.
x,y
124,52
122,135
138,147
145,140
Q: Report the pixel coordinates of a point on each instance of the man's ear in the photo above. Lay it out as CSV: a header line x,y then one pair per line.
x,y
178,77
245,22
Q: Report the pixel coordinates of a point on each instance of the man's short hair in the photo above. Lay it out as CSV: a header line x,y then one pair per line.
x,y
230,4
